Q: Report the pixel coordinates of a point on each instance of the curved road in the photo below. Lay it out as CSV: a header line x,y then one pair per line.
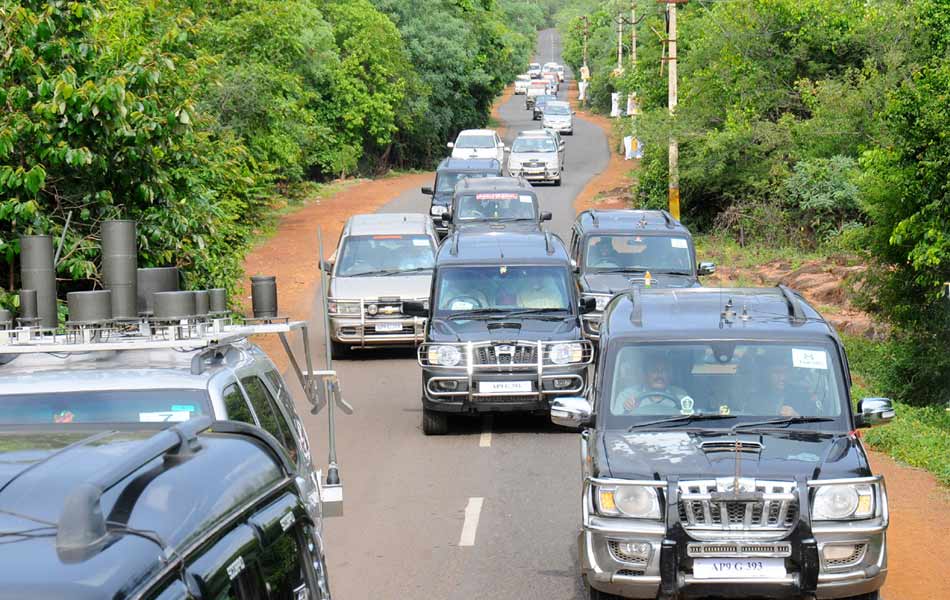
x,y
489,511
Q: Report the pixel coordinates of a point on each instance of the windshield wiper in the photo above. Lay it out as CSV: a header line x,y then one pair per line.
x,y
780,422
475,312
403,271
621,270
535,311
387,272
683,419
672,272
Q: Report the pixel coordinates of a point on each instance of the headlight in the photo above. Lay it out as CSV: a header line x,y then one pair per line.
x,y
846,501
438,210
446,356
561,354
344,308
636,501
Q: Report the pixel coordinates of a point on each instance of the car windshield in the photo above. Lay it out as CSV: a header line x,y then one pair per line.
x,y
749,381
503,288
556,109
446,181
103,406
654,253
534,66
533,144
493,206
370,255
543,100
475,141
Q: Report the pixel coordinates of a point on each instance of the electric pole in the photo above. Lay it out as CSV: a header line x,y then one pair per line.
x,y
633,31
674,191
619,44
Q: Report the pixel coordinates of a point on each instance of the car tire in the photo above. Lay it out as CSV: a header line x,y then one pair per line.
x,y
340,351
434,423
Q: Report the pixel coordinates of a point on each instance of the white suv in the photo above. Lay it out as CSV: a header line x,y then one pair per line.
x,y
478,143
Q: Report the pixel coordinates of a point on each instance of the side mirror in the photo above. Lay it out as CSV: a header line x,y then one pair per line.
x,y
707,268
414,308
428,191
588,305
874,411
546,216
327,266
571,412
574,266
450,145
446,217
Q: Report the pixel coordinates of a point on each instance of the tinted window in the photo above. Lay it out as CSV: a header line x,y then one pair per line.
x,y
103,406
268,414
367,255
236,405
756,380
657,254
496,206
282,567
503,288
446,181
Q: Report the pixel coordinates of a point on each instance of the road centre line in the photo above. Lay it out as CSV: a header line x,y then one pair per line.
x,y
484,440
472,513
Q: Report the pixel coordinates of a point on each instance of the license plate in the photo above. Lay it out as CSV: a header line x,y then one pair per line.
x,y
388,327
504,387
731,568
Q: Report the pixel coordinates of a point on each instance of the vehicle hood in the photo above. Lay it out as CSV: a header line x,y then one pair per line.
x,y
558,118
783,455
474,153
542,157
611,283
409,286
504,330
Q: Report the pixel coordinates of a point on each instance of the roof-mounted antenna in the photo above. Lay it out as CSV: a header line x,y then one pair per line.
x,y
636,316
728,315
670,221
548,244
795,312
593,217
454,250
642,223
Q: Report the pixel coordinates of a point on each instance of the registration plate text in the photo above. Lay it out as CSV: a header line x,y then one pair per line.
x,y
753,568
504,387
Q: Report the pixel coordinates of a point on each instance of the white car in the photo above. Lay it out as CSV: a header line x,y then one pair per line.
x,y
521,84
536,158
534,71
478,143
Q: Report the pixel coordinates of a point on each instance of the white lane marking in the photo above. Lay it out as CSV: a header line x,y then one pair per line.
x,y
484,440
472,512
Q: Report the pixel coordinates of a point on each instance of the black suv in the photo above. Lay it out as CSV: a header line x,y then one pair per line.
x,y
182,513
504,331
614,250
449,172
495,204
720,457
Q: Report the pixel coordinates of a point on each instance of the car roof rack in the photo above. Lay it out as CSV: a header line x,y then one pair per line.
x,y
795,312
548,243
593,217
81,530
636,314
454,248
670,221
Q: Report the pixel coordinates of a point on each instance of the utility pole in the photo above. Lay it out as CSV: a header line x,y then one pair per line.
x,y
619,44
674,190
633,31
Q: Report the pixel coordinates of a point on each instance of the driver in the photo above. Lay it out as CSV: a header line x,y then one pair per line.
x,y
603,254
654,394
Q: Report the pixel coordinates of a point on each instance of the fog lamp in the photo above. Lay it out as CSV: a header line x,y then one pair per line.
x,y
562,383
449,386
639,550
838,552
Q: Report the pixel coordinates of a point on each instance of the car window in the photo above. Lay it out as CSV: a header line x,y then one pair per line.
x,y
654,253
369,255
236,405
284,567
104,406
269,415
495,206
285,398
534,144
446,181
462,289
475,141
743,379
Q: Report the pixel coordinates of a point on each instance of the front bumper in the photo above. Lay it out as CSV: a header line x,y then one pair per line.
x,y
536,173
567,128
363,330
668,570
466,388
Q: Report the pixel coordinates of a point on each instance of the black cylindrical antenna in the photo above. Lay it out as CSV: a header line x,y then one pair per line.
x,y
37,273
119,255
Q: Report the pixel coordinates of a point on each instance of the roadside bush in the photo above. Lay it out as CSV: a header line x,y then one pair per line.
x,y
823,195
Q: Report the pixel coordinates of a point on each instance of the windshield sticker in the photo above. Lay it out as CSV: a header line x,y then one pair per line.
x,y
686,405
422,243
496,196
461,305
810,359
678,242
387,237
164,416
715,369
525,198
180,407
724,409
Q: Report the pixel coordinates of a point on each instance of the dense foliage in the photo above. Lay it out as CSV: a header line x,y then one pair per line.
x,y
190,115
805,122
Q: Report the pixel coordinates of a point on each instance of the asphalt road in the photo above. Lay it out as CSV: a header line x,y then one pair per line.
x,y
489,511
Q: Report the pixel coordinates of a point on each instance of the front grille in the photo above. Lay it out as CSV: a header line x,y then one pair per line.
x,y
622,556
776,509
406,329
738,549
630,573
855,557
506,354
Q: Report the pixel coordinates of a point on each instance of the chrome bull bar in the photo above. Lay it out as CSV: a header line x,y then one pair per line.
x,y
418,323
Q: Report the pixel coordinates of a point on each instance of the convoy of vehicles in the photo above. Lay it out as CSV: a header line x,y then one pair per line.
x,y
478,143
448,174
719,454
719,457
503,331
381,261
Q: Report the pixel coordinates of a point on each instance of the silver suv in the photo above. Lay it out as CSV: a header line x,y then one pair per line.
x,y
536,158
381,261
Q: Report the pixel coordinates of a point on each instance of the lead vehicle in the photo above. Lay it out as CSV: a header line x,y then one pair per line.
x,y
504,332
719,455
